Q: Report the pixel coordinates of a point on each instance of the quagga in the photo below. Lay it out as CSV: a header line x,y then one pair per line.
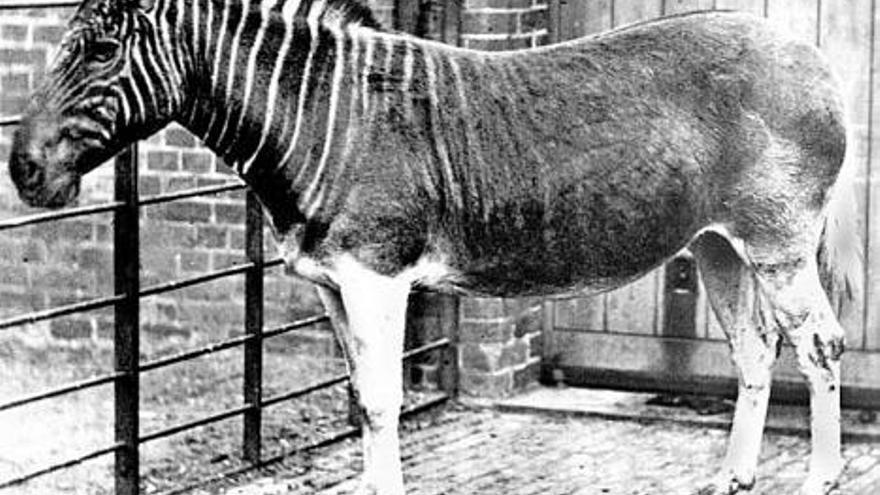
x,y
386,162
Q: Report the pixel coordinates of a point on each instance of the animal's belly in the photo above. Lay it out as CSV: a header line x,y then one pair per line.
x,y
564,254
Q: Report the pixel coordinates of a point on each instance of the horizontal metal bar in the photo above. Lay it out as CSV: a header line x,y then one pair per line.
x,y
66,389
214,418
228,344
80,307
203,351
191,193
57,467
81,211
201,279
296,325
10,120
48,314
38,4
425,349
336,380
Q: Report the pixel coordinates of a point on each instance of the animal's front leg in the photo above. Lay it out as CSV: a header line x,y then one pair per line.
x,y
371,333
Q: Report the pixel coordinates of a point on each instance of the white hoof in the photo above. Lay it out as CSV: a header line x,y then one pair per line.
x,y
368,488
819,486
727,484
822,481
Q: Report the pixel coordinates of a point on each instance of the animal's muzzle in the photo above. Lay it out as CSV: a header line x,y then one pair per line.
x,y
41,179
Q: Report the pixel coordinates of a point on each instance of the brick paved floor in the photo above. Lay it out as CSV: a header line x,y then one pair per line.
x,y
485,451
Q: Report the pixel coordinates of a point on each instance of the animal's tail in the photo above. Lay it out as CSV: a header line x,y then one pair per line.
x,y
841,253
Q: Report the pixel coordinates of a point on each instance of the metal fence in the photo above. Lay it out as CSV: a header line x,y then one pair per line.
x,y
126,305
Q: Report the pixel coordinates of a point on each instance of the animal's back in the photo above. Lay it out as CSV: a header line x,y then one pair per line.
x,y
586,164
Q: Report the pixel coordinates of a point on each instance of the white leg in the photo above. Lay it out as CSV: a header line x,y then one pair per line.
x,y
734,293
819,343
370,319
753,358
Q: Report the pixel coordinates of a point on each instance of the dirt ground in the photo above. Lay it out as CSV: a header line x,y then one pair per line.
x,y
61,428
455,450
488,452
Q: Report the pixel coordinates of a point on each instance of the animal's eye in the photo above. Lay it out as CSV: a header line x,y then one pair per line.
x,y
102,50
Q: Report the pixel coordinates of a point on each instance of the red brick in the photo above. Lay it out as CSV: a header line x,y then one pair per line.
x,y
498,330
211,236
49,34
149,185
482,307
21,56
195,261
490,22
473,358
487,385
514,354
499,4
527,376
536,345
187,211
534,20
229,213
221,261
530,321
498,44
165,330
71,329
197,162
15,84
180,138
180,183
12,104
163,160
13,32
15,275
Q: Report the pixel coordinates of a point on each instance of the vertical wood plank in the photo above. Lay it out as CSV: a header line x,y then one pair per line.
x,y
598,16
680,6
585,313
798,17
633,309
845,33
753,6
452,22
872,179
627,11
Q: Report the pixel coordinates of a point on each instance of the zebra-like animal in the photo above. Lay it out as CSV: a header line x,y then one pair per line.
x,y
385,162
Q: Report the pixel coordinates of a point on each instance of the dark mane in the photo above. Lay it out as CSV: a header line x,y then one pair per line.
x,y
354,11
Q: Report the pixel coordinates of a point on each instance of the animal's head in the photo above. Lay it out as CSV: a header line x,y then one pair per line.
x,y
109,85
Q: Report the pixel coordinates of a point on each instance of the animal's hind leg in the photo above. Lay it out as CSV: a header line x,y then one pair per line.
x,y
735,297
810,324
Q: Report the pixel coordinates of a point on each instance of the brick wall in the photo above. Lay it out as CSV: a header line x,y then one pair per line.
x,y
504,24
499,345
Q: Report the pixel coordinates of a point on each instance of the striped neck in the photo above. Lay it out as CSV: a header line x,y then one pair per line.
x,y
278,93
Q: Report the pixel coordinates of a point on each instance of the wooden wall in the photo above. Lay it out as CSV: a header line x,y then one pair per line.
x,y
844,31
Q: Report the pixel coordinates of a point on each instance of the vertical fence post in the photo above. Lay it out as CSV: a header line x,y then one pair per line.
x,y
253,349
126,264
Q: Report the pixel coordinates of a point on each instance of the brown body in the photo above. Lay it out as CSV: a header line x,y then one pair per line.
x,y
586,164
